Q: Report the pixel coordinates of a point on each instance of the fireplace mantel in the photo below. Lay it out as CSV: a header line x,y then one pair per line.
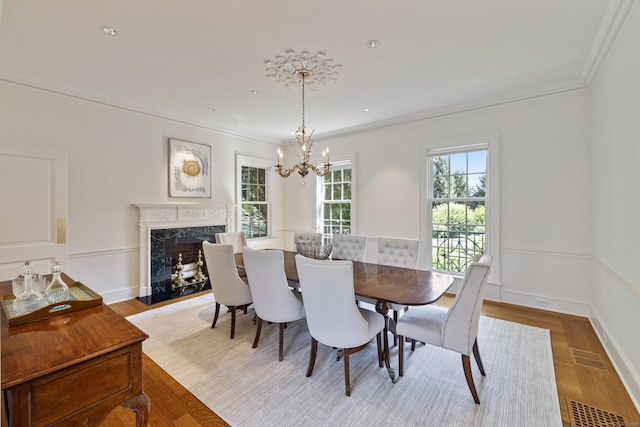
x,y
174,215
168,215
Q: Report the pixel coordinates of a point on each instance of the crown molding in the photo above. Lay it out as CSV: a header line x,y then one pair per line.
x,y
130,108
615,17
459,108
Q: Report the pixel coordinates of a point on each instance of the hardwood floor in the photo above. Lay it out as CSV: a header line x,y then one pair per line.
x,y
584,372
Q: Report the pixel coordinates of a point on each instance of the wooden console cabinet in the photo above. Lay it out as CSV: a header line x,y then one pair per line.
x,y
71,369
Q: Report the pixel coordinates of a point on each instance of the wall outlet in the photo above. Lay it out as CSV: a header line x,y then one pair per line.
x,y
541,302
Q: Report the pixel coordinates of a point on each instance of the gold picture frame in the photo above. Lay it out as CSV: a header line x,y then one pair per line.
x,y
189,169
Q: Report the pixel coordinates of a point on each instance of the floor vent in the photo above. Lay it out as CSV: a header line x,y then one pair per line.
x,y
588,358
582,415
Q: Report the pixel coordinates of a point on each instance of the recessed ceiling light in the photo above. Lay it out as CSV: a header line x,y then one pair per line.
x,y
366,110
108,30
253,92
373,43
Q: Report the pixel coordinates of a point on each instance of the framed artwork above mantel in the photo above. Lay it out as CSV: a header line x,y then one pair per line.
x,y
189,169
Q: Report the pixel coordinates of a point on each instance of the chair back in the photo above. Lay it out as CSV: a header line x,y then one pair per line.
x,y
397,252
227,286
329,301
460,326
350,247
235,238
272,298
305,236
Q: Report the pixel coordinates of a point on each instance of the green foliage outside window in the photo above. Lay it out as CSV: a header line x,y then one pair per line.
x,y
255,208
336,209
458,209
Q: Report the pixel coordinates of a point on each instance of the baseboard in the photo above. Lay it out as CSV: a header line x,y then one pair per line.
x,y
629,377
121,294
541,302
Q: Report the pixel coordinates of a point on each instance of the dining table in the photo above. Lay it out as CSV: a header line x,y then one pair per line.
x,y
386,285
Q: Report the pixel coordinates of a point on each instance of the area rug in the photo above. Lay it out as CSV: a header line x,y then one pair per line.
x,y
249,387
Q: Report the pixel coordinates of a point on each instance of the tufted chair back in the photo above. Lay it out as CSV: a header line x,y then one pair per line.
x,y
349,247
304,236
398,252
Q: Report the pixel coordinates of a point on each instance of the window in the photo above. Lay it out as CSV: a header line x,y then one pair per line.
x,y
460,204
335,196
457,208
254,195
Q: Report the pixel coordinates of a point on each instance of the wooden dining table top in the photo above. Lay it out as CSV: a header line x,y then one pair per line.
x,y
405,286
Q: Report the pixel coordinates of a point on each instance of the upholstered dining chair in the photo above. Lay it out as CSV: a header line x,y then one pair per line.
x,y
227,286
273,300
305,236
332,315
455,328
235,238
396,252
350,247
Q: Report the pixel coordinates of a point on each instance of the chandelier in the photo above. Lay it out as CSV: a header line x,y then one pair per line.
x,y
309,71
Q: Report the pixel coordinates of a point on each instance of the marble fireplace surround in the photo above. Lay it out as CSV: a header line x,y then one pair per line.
x,y
167,216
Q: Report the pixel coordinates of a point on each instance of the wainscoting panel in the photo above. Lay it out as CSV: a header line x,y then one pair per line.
x,y
114,274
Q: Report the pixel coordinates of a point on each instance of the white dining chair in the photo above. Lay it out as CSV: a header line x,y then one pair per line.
x,y
332,315
273,301
350,247
235,238
305,236
455,328
396,252
227,286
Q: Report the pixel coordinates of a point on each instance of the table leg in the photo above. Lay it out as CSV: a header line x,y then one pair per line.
x,y
140,405
383,308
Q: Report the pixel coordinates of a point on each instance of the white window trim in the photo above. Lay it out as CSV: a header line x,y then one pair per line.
x,y
337,162
491,141
243,160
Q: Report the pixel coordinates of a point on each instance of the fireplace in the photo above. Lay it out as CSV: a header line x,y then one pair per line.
x,y
168,243
167,231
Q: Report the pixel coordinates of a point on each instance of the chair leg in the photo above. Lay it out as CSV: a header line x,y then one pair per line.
x,y
379,344
401,356
395,319
347,379
233,321
258,330
312,356
476,354
281,342
413,345
466,364
215,316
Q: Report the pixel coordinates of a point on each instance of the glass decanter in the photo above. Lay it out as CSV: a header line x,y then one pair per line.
x,y
57,291
28,298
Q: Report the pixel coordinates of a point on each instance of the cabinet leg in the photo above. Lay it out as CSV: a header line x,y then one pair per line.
x,y
140,405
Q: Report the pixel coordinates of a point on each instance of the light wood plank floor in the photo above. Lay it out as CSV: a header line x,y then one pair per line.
x,y
584,373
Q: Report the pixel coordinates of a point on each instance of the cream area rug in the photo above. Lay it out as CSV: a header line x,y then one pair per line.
x,y
249,387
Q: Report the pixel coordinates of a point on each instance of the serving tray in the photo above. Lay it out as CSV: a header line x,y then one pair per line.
x,y
80,297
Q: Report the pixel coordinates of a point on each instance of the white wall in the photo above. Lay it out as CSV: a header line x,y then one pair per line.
x,y
615,154
116,158
544,171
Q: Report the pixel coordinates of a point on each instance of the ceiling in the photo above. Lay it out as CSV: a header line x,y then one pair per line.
x,y
180,59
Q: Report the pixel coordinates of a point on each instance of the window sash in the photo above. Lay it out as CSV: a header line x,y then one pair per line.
x,y
489,142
